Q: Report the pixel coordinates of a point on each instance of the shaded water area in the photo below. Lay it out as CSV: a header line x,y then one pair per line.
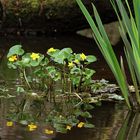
x,y
107,118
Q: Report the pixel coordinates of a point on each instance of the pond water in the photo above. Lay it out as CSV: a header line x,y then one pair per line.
x,y
107,118
130,129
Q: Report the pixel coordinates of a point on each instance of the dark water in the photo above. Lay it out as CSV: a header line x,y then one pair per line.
x,y
107,118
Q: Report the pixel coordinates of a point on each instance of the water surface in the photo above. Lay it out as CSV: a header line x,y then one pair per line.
x,y
107,118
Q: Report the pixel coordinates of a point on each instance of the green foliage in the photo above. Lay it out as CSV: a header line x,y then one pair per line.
x,y
39,72
17,49
130,32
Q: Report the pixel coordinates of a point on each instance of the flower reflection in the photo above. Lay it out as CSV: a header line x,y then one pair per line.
x,y
32,127
9,123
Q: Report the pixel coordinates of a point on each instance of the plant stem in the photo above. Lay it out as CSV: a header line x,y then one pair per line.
x,y
63,80
25,77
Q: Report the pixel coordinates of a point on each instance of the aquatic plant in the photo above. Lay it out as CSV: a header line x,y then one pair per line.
x,y
130,33
59,80
44,72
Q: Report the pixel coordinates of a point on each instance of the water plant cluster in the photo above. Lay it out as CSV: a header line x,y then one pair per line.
x,y
130,33
64,68
53,87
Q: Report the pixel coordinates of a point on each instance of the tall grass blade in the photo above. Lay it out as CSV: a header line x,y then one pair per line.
x,y
133,75
106,49
132,45
136,4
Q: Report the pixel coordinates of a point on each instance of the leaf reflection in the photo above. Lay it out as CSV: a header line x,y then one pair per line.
x,y
59,117
130,129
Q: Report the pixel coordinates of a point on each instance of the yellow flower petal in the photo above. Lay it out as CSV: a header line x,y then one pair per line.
x,y
34,56
80,125
68,127
49,132
51,50
83,56
9,123
13,58
71,64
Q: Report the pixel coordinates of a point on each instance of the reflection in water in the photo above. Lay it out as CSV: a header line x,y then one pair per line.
x,y
130,129
107,120
35,113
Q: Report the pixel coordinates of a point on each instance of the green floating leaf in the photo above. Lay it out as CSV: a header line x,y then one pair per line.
x,y
25,60
91,58
17,49
89,73
75,80
65,53
44,62
75,70
54,53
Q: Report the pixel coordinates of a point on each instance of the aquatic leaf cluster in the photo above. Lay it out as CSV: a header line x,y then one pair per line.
x,y
53,88
58,67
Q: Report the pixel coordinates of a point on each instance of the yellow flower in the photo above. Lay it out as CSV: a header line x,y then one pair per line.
x,y
83,56
10,123
34,56
80,125
51,50
68,127
32,127
12,58
71,64
76,61
49,132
